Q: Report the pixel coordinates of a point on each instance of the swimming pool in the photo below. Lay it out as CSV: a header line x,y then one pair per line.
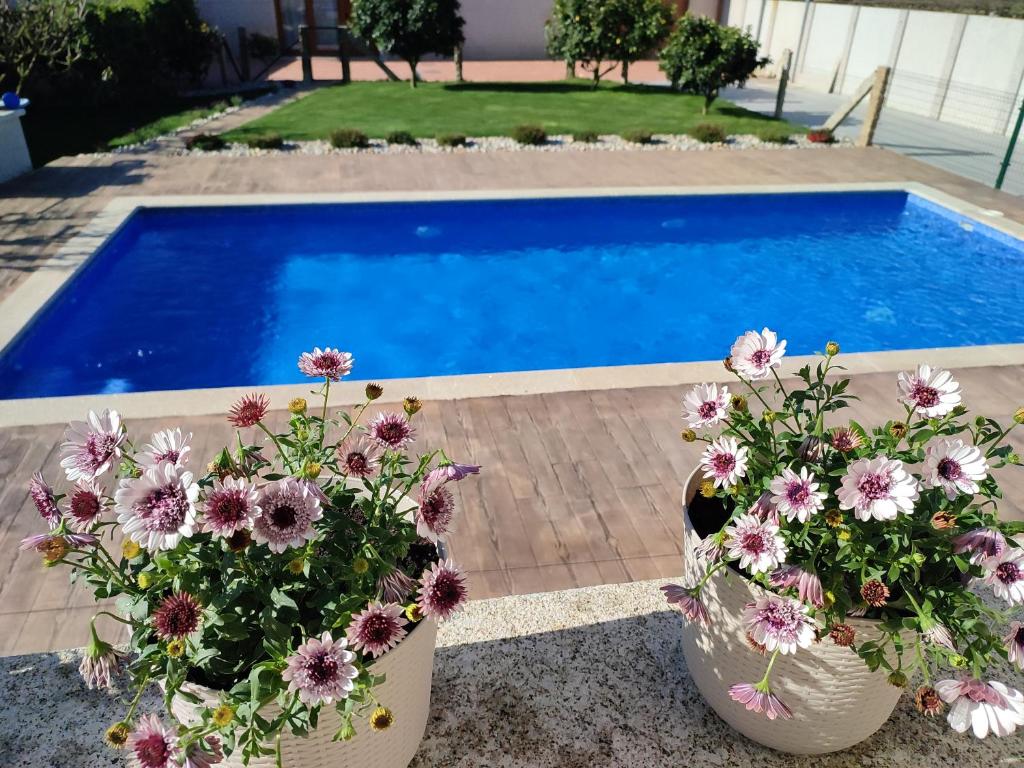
x,y
192,297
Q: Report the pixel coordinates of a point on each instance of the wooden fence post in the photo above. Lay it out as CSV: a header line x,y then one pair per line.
x,y
243,53
458,63
875,101
780,98
307,55
346,70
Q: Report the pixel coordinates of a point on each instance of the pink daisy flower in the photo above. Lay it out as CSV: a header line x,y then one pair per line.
x,y
45,543
358,456
757,697
436,509
688,603
724,461
764,509
168,445
455,471
807,584
152,744
442,590
85,504
321,670
756,543
705,405
249,411
178,616
982,543
954,467
44,500
328,363
878,488
939,634
93,446
711,549
395,586
779,623
158,509
392,431
982,707
1005,574
754,354
377,629
288,510
1014,642
203,753
930,392
796,496
231,505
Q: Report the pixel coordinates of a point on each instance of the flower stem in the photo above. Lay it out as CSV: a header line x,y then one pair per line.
x,y
280,448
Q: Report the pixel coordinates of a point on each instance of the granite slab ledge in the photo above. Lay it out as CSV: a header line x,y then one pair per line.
x,y
574,679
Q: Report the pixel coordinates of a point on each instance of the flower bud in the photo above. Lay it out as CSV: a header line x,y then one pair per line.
x,y
959,409
833,518
688,435
980,422
297,406
296,566
1018,415
738,403
312,470
769,416
412,405
360,565
130,549
707,489
943,520
898,679
728,365
1013,458
117,735
832,349
145,580
958,661
844,535
842,635
374,391
898,430
381,719
176,648
812,449
413,612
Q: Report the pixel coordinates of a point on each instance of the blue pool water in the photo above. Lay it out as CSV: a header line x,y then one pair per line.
x,y
206,297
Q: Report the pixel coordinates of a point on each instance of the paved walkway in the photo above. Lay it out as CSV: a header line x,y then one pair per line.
x,y
955,148
580,488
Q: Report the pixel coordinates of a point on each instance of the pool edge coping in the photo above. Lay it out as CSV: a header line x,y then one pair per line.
x,y
32,295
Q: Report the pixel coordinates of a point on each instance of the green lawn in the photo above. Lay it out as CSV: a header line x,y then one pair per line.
x,y
494,109
168,123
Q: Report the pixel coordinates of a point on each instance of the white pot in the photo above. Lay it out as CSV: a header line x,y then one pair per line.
x,y
836,701
408,669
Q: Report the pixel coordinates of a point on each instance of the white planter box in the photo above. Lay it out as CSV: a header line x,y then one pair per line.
x,y
14,159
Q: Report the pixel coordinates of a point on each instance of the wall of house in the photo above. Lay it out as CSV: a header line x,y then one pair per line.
x,y
228,15
953,67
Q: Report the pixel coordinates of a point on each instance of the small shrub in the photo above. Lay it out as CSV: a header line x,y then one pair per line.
x,y
638,136
821,136
775,136
402,137
586,137
708,133
220,106
451,140
266,141
263,47
236,100
533,135
207,142
349,138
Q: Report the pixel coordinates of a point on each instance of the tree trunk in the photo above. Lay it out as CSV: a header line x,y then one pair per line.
x,y
570,70
625,73
412,68
597,74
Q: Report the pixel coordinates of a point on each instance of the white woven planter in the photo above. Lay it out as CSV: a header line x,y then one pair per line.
x,y
836,701
406,692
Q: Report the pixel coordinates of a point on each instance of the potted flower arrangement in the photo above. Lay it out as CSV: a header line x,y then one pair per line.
x,y
828,562
278,597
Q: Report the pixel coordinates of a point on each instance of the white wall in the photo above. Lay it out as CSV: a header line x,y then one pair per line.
x,y
957,68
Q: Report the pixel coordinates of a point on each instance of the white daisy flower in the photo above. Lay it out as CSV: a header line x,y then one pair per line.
x,y
158,508
930,392
705,405
724,461
797,495
878,488
954,466
755,354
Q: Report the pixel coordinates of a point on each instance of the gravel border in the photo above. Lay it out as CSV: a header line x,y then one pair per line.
x,y
605,143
